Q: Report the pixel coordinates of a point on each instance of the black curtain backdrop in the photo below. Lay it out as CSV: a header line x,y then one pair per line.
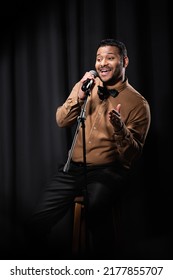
x,y
46,46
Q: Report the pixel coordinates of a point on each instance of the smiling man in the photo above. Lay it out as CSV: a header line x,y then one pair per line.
x,y
117,120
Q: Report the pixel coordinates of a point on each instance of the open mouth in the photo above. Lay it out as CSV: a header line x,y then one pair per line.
x,y
104,72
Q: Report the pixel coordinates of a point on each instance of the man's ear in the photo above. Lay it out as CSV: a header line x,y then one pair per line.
x,y
125,61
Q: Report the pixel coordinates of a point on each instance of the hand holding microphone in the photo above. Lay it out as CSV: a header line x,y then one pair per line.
x,y
87,83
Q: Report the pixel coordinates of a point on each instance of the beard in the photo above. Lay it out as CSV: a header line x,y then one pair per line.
x,y
116,77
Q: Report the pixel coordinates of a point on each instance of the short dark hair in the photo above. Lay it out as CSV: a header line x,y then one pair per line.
x,y
112,42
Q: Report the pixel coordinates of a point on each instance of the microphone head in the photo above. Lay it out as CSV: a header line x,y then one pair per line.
x,y
94,73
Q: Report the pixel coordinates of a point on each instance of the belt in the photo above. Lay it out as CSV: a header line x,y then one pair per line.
x,y
79,164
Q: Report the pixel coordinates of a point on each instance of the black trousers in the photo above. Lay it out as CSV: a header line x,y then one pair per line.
x,y
102,186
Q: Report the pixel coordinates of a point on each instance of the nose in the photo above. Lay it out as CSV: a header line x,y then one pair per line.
x,y
103,62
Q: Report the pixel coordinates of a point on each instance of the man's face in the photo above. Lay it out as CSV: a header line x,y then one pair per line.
x,y
109,64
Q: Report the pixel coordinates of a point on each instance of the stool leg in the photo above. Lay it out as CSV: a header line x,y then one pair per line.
x,y
76,228
78,242
82,238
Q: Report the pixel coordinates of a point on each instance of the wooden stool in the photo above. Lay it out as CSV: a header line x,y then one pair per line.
x,y
80,239
79,227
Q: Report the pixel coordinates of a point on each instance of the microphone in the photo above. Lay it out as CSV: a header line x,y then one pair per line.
x,y
89,82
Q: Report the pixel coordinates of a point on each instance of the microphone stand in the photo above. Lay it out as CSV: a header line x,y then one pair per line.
x,y
81,121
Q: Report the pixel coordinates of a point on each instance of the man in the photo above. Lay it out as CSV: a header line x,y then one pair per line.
x,y
116,123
